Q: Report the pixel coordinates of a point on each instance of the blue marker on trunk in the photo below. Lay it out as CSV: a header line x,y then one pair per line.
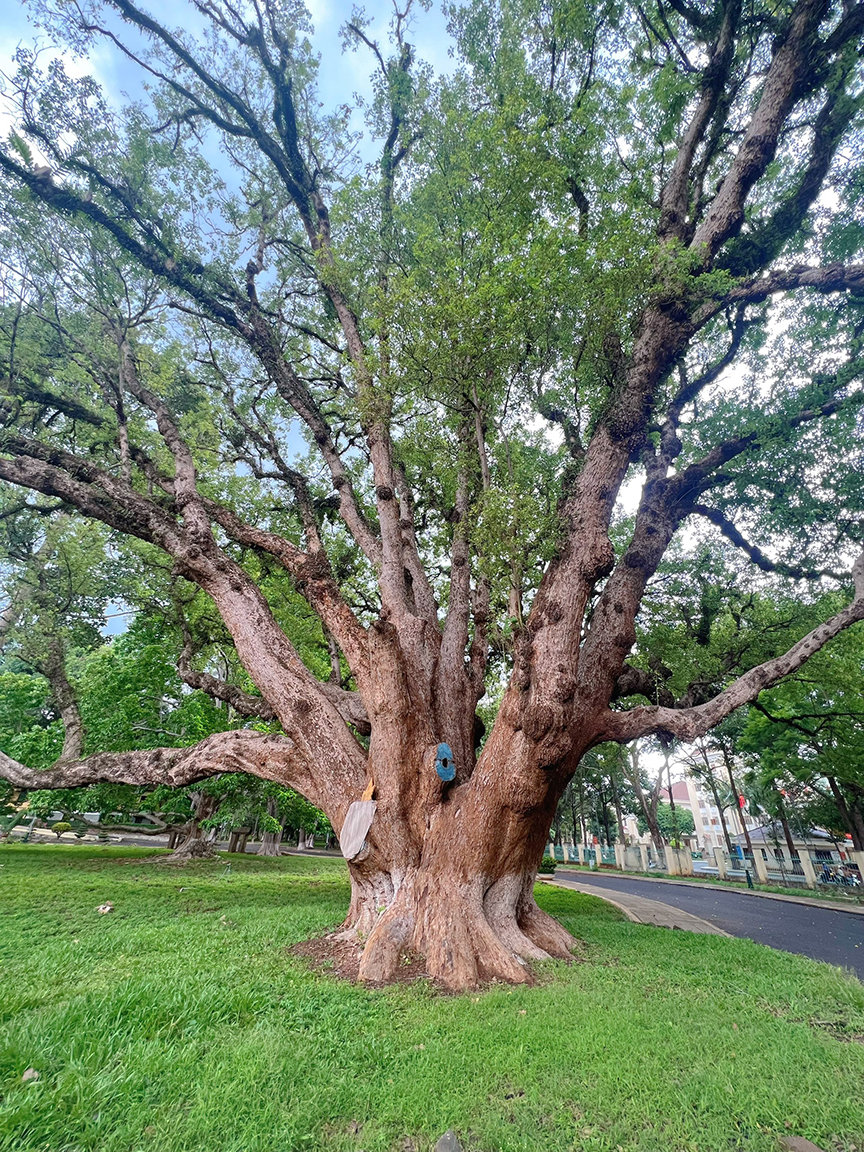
x,y
444,765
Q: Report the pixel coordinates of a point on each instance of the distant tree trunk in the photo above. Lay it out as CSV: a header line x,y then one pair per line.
x,y
781,812
237,840
648,806
675,836
270,840
193,845
856,811
712,784
722,814
619,815
850,815
727,760
556,829
582,824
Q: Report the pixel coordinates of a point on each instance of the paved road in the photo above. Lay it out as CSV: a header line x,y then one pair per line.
x,y
821,933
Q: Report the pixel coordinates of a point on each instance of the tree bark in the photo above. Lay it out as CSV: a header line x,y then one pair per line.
x,y
787,831
54,670
727,760
619,815
648,805
270,841
855,827
193,843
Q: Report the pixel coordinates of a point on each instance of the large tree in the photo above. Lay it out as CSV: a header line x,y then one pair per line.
x,y
541,288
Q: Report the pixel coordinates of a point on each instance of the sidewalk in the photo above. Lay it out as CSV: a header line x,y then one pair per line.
x,y
643,911
811,901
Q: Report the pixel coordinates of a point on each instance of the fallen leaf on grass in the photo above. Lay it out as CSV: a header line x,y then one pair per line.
x,y
107,907
30,1074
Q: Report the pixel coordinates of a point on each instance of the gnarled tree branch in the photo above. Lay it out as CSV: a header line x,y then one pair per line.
x,y
688,723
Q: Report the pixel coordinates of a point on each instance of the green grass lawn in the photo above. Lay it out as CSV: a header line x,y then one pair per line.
x,y
177,1022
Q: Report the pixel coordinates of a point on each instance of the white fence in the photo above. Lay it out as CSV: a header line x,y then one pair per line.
x,y
809,868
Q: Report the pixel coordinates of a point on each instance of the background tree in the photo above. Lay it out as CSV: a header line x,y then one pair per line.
x,y
807,737
533,296
674,824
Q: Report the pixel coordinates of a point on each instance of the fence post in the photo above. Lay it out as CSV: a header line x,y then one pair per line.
x,y
564,850
643,856
619,856
759,866
580,852
720,861
672,868
857,858
807,868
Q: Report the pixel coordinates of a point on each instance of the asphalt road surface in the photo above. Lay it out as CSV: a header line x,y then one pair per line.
x,y
821,933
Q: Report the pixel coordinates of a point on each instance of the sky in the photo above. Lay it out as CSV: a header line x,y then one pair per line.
x,y
342,73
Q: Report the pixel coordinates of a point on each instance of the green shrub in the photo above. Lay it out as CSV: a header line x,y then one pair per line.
x,y
60,827
547,865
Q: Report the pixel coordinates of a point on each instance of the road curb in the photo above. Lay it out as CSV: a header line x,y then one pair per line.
x,y
654,913
808,901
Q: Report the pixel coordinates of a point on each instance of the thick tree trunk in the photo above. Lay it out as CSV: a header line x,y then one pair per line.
x,y
856,812
448,870
469,930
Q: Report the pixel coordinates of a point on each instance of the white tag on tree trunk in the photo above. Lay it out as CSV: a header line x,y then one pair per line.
x,y
357,824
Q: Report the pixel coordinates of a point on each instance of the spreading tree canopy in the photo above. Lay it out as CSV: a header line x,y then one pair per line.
x,y
594,308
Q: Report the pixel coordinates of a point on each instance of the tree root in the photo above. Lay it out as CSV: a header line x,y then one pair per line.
x,y
469,935
545,930
189,850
